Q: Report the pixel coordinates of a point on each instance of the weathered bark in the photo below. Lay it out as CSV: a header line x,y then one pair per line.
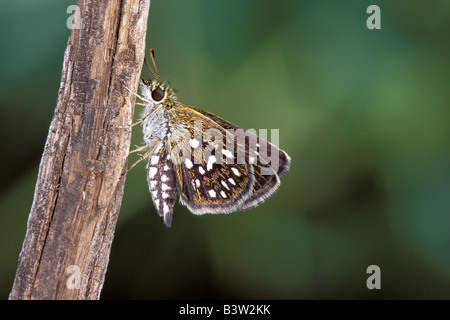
x,y
81,176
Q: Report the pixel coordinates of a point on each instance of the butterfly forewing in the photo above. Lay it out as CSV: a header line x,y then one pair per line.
x,y
220,183
206,183
283,163
269,163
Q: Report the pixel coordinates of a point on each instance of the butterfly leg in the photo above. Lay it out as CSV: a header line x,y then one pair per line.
x,y
137,95
138,149
145,155
132,125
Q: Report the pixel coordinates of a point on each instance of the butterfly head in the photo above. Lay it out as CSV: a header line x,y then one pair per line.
x,y
154,90
157,93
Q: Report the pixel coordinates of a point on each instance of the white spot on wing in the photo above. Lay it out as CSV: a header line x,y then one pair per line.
x,y
164,178
223,194
236,172
165,187
212,193
154,160
152,172
211,160
232,181
227,154
225,184
201,170
194,143
189,164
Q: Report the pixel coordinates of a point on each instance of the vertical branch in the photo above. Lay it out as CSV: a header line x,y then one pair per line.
x,y
80,182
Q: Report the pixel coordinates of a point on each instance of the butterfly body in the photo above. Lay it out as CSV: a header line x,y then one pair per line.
x,y
214,165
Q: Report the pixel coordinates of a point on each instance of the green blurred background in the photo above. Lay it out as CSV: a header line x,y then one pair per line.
x,y
364,115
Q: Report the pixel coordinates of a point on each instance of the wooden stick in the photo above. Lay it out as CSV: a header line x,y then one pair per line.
x,y
80,183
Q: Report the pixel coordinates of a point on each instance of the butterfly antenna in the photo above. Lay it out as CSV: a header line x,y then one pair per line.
x,y
149,68
152,55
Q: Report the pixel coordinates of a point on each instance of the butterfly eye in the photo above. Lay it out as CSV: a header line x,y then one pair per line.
x,y
158,94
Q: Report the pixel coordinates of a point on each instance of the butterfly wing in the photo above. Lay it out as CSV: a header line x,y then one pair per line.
x,y
161,182
211,183
206,184
267,178
284,162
